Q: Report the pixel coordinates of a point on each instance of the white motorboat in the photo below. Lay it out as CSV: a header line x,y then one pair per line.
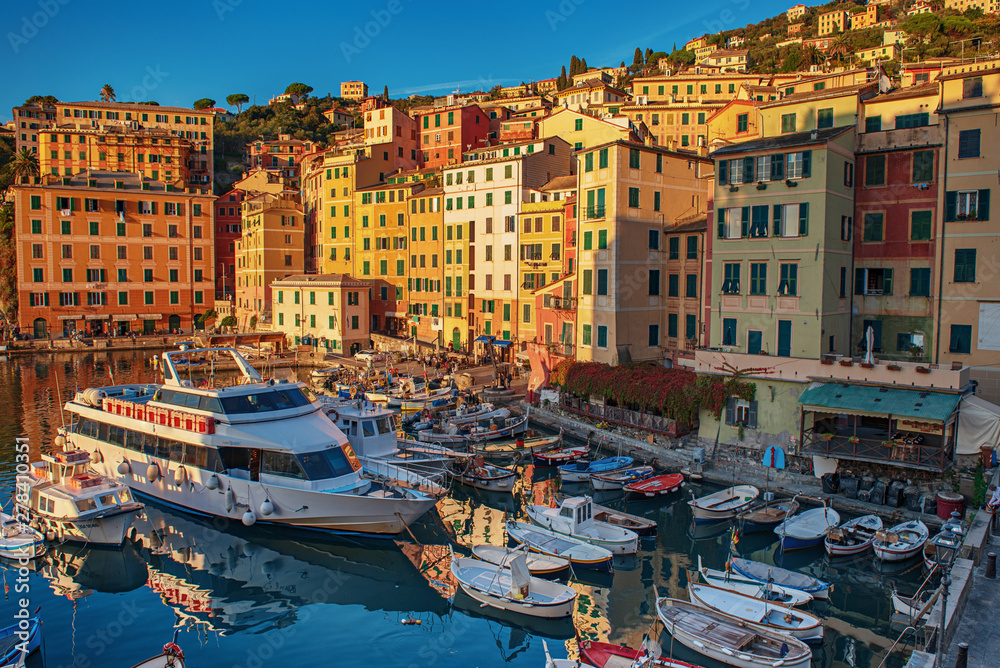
x,y
724,504
71,503
256,451
797,623
562,663
485,430
574,518
580,554
512,587
326,372
901,541
765,591
807,529
730,640
477,473
18,540
172,656
538,564
853,536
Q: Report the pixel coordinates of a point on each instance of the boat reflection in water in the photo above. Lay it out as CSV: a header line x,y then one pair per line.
x,y
231,582
77,570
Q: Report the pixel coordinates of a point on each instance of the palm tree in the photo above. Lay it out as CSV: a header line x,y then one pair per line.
x,y
811,55
24,164
839,48
107,93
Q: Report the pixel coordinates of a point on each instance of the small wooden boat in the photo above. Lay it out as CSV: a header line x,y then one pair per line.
x,y
761,572
730,640
580,471
411,406
659,485
562,663
19,541
511,587
493,431
724,504
574,518
912,606
765,591
618,479
607,655
580,554
16,644
640,525
805,626
477,473
768,516
807,529
171,657
519,447
901,541
538,564
560,456
853,536
470,414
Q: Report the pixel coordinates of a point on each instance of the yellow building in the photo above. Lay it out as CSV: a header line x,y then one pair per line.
x,y
270,248
541,258
796,12
431,296
817,110
583,130
329,311
833,22
353,90
313,185
728,60
737,121
380,250
969,243
703,52
695,43
986,6
630,195
865,18
878,54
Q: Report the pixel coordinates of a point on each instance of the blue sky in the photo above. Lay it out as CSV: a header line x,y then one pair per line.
x,y
178,52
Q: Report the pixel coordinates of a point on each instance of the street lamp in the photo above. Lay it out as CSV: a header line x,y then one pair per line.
x,y
946,546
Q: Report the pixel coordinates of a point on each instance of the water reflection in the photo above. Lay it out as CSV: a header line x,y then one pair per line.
x,y
76,571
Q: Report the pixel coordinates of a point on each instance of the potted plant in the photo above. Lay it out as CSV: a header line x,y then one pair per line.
x,y
827,436
923,369
846,361
892,366
916,351
867,365
826,360
853,439
888,444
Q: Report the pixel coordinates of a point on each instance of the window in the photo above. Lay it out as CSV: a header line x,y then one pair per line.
x,y
824,118
633,158
588,281
692,286
873,226
967,205
656,200
905,121
602,240
873,282
799,165
873,124
674,245
731,278
968,143
923,166
602,161
654,240
602,282
586,335
588,162
965,265
729,331
673,281
875,170
602,336
920,282
849,174
758,278
731,222
633,198
920,226
787,123
742,122
789,283
692,248
654,334
846,228
654,282
961,339
972,87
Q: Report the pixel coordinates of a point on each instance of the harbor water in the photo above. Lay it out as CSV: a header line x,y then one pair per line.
x,y
254,597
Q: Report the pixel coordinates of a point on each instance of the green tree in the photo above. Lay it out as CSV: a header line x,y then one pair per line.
x,y
574,66
107,93
237,100
583,66
385,93
299,89
24,164
41,100
649,52
8,265
637,57
204,103
229,321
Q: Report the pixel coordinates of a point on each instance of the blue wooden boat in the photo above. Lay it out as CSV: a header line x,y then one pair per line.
x,y
761,572
16,643
582,470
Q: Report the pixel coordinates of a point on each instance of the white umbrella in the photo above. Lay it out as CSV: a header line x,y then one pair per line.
x,y
870,345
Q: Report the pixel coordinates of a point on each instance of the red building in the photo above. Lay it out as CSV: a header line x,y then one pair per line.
x,y
895,223
227,233
445,133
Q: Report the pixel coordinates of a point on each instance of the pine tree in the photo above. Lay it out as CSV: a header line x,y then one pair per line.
x,y
574,66
385,93
637,58
649,52
583,65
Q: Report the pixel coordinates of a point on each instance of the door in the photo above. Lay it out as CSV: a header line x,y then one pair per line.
x,y
784,338
456,339
148,326
255,464
174,323
41,328
754,341
548,334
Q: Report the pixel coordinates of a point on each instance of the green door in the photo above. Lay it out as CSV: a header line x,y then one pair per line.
x,y
784,338
456,338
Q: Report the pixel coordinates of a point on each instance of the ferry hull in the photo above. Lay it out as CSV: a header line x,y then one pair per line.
x,y
109,530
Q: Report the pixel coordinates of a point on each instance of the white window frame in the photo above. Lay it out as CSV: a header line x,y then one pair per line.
x,y
734,222
793,166
966,201
763,168
789,229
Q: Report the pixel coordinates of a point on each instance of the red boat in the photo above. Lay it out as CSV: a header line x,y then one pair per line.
x,y
656,486
606,655
560,456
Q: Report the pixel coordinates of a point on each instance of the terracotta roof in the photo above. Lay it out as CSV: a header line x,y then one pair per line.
x,y
560,183
906,93
820,94
694,223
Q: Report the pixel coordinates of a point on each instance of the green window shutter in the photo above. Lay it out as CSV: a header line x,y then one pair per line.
x,y
859,281
748,169
722,223
806,164
777,167
745,223
723,172
983,210
803,219
777,220
950,206
887,281
588,281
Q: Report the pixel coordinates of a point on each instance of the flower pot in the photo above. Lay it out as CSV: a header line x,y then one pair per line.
x,y
894,367
846,363
867,365
828,362
923,369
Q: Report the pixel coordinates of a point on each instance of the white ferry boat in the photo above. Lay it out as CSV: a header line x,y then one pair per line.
x,y
257,451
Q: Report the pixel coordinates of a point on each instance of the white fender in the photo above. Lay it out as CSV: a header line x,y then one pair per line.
x,y
230,499
249,518
97,457
212,482
266,508
152,472
180,475
124,468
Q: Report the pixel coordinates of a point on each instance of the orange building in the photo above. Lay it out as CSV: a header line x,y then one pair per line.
x,y
281,155
445,133
426,265
108,251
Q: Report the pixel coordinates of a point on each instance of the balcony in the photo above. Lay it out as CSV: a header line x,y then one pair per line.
x,y
884,140
559,303
593,212
930,455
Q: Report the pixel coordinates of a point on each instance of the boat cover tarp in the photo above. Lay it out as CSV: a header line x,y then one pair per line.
x,y
978,425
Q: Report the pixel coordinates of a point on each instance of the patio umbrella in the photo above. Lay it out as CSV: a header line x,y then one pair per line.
x,y
870,345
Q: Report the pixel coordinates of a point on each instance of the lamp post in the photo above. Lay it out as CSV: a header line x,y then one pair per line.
x,y
945,546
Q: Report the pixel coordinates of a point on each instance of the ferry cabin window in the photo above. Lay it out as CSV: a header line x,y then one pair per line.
x,y
384,425
148,444
369,427
235,458
329,463
281,463
566,512
107,499
124,496
84,505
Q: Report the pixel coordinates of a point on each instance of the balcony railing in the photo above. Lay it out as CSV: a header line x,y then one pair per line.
x,y
559,303
625,416
593,212
926,456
